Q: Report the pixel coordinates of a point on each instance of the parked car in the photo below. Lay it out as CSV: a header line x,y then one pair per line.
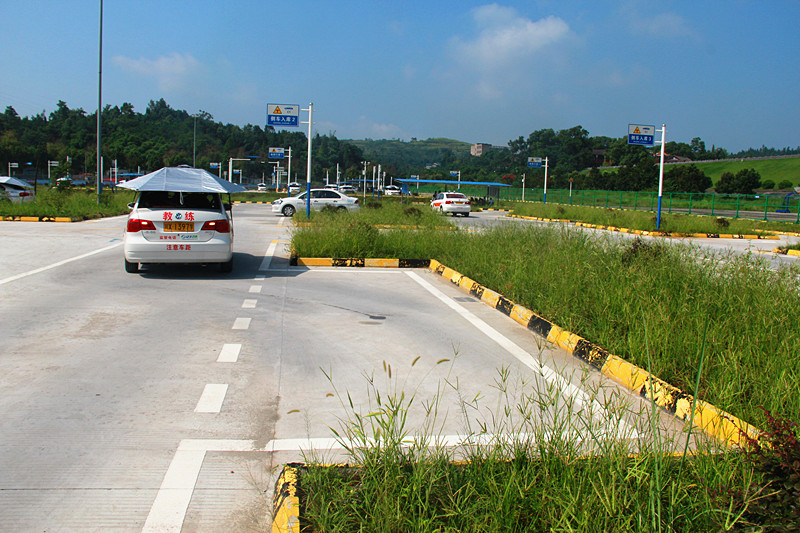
x,y
261,187
391,190
347,189
294,188
15,190
451,202
320,198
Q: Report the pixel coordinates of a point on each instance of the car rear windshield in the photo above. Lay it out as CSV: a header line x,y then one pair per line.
x,y
170,199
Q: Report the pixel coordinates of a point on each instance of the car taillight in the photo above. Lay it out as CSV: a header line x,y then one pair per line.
x,y
448,202
220,226
136,224
25,194
356,201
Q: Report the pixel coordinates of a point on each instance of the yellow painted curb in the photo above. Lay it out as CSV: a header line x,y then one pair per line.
x,y
313,261
29,219
286,502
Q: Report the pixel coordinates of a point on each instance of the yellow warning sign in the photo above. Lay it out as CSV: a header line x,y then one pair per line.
x,y
277,111
634,131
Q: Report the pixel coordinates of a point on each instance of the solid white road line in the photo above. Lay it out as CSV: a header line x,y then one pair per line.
x,y
241,323
229,353
212,398
268,256
169,508
55,265
249,304
550,375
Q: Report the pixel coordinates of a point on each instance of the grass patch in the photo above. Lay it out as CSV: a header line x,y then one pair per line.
x,y
72,203
646,220
522,467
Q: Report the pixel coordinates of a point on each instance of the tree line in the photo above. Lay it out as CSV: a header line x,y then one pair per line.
x,y
159,137
163,136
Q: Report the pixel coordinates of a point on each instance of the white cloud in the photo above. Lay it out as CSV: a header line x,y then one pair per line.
x,y
172,72
505,38
658,25
368,129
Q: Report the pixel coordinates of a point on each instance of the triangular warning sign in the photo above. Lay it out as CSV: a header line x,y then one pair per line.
x,y
636,130
277,111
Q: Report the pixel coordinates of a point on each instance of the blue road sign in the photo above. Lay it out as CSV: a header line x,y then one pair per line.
x,y
286,115
641,134
535,162
276,153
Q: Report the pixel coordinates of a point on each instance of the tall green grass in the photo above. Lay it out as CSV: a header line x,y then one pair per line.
x,y
72,203
538,463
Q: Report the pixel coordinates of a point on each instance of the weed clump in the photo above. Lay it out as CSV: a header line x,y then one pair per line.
x,y
373,204
722,222
412,212
640,250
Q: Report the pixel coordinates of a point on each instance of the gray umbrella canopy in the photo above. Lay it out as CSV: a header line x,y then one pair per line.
x,y
15,181
181,179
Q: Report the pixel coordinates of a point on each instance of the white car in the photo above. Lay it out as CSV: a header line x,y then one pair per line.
x,y
294,188
261,187
15,190
178,227
391,190
451,202
347,189
320,198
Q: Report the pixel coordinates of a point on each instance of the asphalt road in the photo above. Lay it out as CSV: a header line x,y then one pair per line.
x,y
166,400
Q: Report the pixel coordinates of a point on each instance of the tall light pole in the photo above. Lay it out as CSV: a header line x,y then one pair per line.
x,y
100,109
308,168
194,143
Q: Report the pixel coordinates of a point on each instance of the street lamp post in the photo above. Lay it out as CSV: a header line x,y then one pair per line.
x,y
194,143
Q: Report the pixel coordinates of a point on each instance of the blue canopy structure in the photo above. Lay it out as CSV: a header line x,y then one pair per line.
x,y
454,182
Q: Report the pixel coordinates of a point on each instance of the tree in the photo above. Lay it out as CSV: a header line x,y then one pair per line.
x,y
743,182
686,178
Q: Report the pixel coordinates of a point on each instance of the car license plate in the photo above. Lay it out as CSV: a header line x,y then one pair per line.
x,y
178,226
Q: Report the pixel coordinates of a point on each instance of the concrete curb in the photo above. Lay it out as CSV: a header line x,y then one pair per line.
x,y
723,426
40,219
359,262
653,233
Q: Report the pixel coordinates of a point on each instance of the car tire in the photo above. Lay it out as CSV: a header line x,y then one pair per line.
x,y
288,210
131,268
226,267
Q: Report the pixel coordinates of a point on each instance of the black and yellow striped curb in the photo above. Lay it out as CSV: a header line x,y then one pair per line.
x,y
288,500
359,262
40,219
786,251
653,233
723,426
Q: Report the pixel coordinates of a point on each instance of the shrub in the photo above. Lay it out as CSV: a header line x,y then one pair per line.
x,y
785,184
768,184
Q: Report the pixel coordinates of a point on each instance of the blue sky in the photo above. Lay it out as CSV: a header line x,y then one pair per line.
x,y
725,71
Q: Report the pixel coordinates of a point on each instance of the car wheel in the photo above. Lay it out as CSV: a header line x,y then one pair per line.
x,y
288,210
131,268
226,267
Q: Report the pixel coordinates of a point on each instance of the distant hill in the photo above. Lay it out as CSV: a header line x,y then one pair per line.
x,y
402,157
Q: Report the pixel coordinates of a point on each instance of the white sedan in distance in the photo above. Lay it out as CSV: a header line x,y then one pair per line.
x,y
320,198
451,202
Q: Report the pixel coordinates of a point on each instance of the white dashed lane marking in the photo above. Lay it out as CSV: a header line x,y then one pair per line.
x,y
255,288
212,398
229,353
249,304
241,323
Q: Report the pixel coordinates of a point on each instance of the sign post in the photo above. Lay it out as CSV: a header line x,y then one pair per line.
x,y
644,135
455,173
536,162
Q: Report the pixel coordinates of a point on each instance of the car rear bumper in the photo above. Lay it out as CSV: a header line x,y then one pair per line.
x,y
213,251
